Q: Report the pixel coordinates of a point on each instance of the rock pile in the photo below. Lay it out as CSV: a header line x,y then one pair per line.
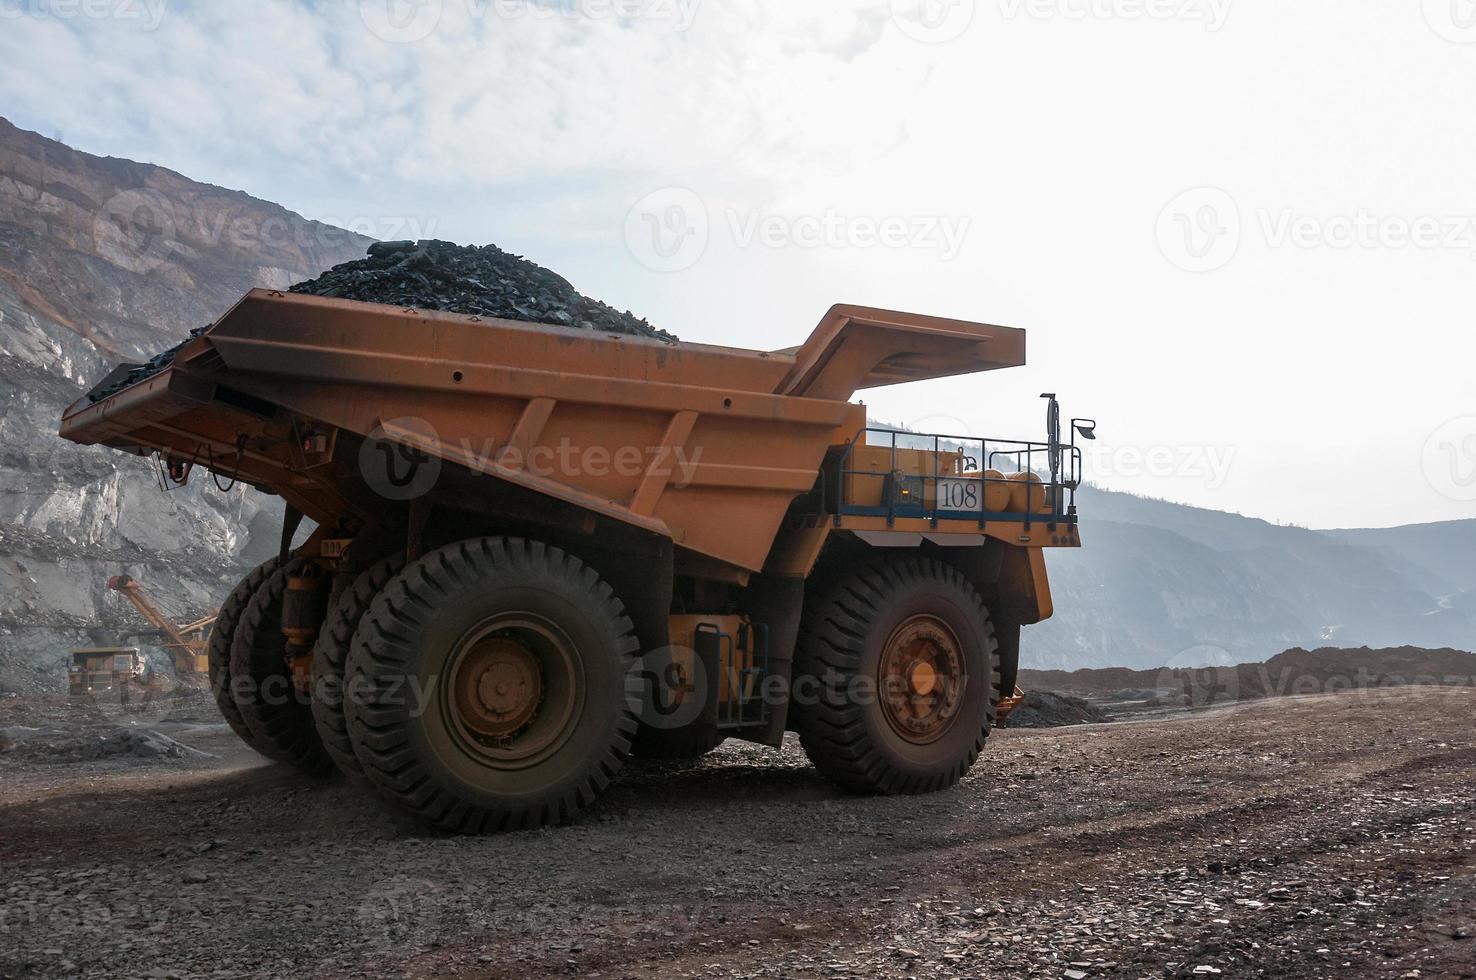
x,y
1046,709
90,745
434,275
129,374
483,281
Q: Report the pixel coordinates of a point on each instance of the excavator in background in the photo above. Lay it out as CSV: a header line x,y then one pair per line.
x,y
122,669
187,643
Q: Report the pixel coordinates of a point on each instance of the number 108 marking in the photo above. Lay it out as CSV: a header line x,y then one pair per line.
x,y
958,494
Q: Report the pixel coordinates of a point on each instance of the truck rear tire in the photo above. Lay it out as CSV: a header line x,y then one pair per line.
x,y
330,653
896,677
222,633
279,716
492,686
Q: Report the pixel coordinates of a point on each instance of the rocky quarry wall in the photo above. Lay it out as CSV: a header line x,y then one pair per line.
x,y
101,261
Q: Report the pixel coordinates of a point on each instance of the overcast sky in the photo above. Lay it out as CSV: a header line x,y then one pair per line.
x,y
1241,233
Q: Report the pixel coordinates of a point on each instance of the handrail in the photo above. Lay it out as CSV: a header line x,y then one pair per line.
x,y
1060,490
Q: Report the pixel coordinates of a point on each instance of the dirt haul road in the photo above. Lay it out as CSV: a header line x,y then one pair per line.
x,y
1321,836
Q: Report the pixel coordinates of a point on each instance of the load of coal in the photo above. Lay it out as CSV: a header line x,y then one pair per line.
x,y
478,280
125,375
435,275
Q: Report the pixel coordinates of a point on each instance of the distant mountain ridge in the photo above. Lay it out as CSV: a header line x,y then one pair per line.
x,y
1294,671
1160,583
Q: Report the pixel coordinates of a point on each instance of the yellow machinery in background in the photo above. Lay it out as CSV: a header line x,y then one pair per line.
x,y
187,643
101,670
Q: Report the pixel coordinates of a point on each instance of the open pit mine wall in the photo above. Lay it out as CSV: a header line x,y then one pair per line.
x,y
83,285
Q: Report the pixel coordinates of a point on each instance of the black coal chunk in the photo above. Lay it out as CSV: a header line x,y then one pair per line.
x,y
125,375
434,275
479,280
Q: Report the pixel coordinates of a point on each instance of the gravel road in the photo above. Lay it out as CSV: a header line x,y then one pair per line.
x,y
1329,836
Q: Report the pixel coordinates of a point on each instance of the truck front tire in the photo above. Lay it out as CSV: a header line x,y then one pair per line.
x,y
492,686
897,676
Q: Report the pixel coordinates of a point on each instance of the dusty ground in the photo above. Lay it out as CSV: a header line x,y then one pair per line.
x,y
1324,836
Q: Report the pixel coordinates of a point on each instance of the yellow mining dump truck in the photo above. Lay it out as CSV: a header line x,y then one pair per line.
x,y
541,549
105,670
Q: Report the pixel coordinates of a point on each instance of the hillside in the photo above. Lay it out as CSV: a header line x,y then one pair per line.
x,y
1161,583
103,260
1291,672
1447,549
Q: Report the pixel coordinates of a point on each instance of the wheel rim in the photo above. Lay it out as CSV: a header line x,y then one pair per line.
x,y
514,690
921,679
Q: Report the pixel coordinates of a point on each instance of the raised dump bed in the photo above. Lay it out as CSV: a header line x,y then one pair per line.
x,y
704,490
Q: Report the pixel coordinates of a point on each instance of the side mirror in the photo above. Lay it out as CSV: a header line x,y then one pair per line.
x,y
1086,428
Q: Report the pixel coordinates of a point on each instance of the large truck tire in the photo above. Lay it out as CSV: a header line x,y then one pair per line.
x,y
896,677
278,715
493,686
330,653
222,633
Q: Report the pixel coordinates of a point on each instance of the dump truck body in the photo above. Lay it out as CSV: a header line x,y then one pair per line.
x,y
705,445
714,491
104,670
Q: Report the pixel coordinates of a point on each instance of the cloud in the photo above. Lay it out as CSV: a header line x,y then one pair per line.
x,y
499,92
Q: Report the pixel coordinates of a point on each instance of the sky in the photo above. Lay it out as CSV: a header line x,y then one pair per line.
x,y
1240,233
